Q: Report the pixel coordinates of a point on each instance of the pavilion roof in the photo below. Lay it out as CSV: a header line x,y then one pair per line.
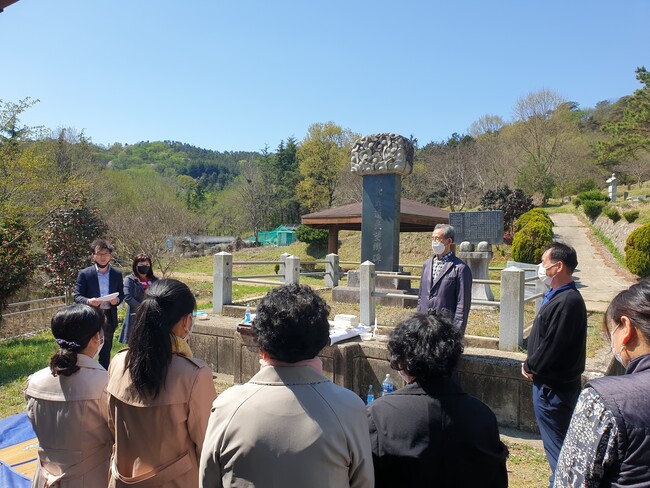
x,y
414,217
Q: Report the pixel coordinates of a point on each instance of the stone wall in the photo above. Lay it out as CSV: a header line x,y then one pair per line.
x,y
615,232
492,376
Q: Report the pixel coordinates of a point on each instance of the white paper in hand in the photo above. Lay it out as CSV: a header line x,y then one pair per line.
x,y
108,298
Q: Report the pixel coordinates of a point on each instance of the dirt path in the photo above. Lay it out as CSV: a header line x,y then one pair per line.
x,y
598,276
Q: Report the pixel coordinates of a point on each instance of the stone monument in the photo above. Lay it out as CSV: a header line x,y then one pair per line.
x,y
476,232
611,189
382,160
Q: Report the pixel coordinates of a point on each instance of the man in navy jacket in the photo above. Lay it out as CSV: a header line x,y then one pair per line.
x,y
446,282
98,280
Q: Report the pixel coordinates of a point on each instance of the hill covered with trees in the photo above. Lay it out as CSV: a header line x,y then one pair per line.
x,y
148,191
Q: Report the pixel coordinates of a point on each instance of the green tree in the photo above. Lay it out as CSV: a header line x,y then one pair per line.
x,y
629,137
16,258
545,124
323,155
142,211
285,176
68,234
26,178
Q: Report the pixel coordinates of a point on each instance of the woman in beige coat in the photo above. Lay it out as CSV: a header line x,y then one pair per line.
x,y
67,404
159,395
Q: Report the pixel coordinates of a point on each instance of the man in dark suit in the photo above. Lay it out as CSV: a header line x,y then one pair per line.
x,y
446,281
99,280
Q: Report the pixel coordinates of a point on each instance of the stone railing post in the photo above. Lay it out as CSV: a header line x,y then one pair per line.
x,y
367,299
221,281
511,326
283,263
292,270
332,270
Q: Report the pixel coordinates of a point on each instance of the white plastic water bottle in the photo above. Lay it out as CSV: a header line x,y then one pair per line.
x,y
247,314
371,396
387,386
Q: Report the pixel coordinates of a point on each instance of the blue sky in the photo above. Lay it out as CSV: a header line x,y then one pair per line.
x,y
240,74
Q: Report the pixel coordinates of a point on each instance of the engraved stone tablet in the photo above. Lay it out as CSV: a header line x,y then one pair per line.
x,y
381,154
477,227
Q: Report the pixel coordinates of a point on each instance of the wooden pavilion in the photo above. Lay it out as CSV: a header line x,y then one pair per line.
x,y
414,217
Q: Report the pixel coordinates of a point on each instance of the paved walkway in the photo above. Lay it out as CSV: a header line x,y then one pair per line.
x,y
598,277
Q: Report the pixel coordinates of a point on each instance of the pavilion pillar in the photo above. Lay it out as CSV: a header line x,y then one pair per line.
x,y
333,239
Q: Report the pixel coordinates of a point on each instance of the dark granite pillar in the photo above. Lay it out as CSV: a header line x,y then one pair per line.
x,y
380,220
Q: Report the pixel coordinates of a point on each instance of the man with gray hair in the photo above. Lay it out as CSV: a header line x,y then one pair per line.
x,y
446,281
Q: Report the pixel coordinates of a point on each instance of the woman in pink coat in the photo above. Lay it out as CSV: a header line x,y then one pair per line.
x,y
159,395
67,404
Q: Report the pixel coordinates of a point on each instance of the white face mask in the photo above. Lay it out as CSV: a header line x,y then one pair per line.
x,y
189,333
617,355
101,344
438,247
541,274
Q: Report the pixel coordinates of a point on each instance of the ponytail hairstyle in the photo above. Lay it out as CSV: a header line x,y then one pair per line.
x,y
150,349
633,303
72,328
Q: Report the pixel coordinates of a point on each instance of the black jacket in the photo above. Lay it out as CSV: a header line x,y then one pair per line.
x,y
435,435
557,345
628,397
87,286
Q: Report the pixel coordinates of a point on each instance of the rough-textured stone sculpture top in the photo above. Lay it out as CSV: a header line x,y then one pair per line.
x,y
381,154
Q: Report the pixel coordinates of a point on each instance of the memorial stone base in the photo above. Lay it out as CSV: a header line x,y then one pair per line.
x,y
350,293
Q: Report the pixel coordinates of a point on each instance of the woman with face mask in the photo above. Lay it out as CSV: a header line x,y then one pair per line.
x,y
159,395
607,441
135,286
67,404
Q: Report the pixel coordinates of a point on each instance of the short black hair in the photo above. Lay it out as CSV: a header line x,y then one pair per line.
x,y
425,346
102,244
291,323
565,253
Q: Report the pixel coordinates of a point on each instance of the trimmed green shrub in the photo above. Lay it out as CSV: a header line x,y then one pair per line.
x,y
631,215
637,251
612,213
311,235
576,202
531,241
593,208
596,195
533,214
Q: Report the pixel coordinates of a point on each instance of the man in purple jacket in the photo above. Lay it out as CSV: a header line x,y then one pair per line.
x,y
446,282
